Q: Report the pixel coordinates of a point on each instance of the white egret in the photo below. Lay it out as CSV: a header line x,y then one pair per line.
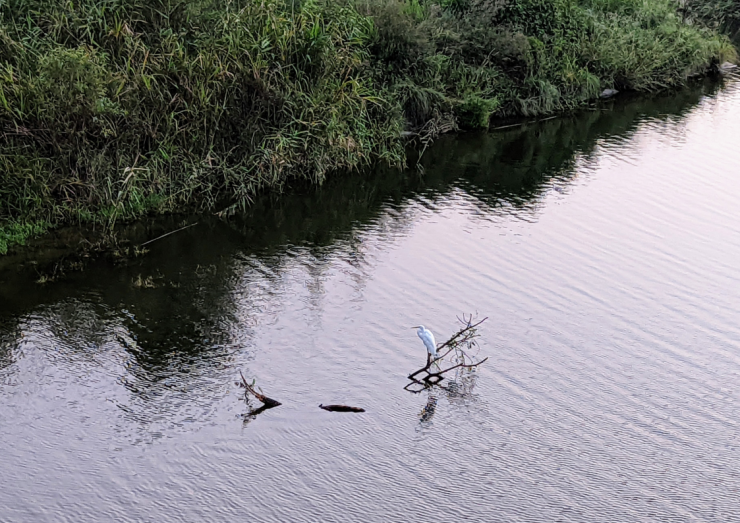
x,y
428,338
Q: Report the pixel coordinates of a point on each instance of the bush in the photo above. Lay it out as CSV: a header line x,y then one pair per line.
x,y
475,112
72,85
400,36
652,48
721,15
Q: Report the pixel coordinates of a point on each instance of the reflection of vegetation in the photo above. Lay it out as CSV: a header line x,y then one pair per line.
x,y
112,109
427,413
9,339
514,166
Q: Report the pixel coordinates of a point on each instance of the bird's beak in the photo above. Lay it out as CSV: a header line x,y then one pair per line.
x,y
414,327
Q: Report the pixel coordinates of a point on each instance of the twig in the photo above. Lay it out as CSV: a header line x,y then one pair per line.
x,y
525,122
460,333
464,335
268,402
467,366
449,342
508,126
167,234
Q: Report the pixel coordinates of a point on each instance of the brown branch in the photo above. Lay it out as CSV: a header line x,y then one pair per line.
x,y
424,368
268,402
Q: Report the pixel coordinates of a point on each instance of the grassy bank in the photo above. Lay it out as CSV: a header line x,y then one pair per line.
x,y
111,109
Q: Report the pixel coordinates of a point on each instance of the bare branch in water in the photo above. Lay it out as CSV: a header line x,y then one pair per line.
x,y
470,366
267,403
463,337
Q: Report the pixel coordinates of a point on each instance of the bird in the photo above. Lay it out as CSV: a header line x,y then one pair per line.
x,y
428,338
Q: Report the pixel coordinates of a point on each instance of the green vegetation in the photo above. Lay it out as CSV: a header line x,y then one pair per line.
x,y
13,232
722,15
110,109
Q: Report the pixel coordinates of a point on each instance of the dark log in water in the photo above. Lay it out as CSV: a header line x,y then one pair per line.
x,y
341,408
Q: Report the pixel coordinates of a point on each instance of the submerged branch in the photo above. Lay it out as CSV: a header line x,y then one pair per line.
x,y
268,403
464,336
463,365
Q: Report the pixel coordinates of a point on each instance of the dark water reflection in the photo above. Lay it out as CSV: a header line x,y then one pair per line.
x,y
603,246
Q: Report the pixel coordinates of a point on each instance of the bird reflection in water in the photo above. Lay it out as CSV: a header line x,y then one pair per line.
x,y
427,413
459,392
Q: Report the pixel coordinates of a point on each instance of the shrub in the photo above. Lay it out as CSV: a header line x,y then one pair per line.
x,y
475,112
721,15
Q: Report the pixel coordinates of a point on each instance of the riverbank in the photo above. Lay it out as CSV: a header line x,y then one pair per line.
x,y
110,112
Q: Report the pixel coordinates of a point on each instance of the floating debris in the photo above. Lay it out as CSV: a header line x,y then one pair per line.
x,y
267,403
341,408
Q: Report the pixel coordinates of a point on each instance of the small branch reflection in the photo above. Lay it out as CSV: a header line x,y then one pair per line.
x,y
250,416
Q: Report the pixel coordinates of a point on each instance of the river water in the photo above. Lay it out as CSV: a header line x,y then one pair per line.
x,y
603,247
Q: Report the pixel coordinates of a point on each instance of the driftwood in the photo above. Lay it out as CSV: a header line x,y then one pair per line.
x,y
341,408
464,338
267,403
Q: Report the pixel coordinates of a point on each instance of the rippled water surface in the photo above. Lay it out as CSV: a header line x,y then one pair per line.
x,y
604,247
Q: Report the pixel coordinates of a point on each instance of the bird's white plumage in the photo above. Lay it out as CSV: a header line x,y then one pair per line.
x,y
428,338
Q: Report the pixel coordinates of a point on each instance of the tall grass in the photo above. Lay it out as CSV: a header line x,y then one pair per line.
x,y
114,107
722,15
110,109
531,57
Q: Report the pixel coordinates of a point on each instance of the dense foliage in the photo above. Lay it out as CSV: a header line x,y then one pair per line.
x,y
113,108
722,15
